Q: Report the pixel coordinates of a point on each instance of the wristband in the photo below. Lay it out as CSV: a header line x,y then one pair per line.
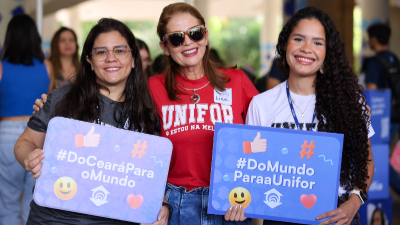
x,y
170,209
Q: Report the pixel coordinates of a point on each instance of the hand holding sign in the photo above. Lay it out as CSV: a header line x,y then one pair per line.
x,y
33,162
258,145
90,140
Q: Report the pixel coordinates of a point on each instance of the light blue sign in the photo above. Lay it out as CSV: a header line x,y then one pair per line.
x,y
276,174
103,171
379,102
379,188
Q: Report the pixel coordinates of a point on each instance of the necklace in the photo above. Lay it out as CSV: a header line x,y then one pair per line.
x,y
195,98
302,112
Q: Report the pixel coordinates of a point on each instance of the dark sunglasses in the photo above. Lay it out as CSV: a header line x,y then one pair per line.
x,y
176,39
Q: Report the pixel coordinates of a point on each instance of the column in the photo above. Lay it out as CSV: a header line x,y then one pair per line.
x,y
373,12
269,33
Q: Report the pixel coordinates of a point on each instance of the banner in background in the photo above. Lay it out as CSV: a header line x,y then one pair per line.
x,y
379,188
379,102
377,211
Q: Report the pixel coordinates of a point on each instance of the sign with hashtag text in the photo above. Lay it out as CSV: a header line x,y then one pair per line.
x,y
274,173
103,171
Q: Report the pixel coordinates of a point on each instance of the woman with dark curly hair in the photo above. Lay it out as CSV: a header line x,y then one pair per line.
x,y
325,97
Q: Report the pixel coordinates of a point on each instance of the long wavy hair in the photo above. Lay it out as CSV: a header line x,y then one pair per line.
x,y
55,52
340,102
216,77
81,101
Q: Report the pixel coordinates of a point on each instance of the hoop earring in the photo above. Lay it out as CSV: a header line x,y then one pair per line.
x,y
321,70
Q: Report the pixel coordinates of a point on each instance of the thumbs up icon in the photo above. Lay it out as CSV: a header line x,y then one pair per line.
x,y
89,140
258,145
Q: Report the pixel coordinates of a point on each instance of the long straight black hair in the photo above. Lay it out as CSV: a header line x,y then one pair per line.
x,y
23,42
80,102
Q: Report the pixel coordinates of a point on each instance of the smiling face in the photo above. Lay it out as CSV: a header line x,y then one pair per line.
x,y
190,54
240,196
67,43
306,48
65,188
112,71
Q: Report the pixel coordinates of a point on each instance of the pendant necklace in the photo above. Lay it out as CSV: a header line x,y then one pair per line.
x,y
302,112
195,98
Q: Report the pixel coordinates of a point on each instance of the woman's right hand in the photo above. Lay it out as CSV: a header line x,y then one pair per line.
x,y
39,103
33,162
235,214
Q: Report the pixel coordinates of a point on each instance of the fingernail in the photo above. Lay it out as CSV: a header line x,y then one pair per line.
x,y
230,208
240,207
236,206
317,218
158,218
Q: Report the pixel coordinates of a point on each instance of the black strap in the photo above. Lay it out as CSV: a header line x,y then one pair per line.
x,y
390,67
170,209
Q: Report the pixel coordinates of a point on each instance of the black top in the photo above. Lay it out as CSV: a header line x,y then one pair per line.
x,y
39,122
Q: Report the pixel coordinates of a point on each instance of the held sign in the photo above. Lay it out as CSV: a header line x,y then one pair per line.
x,y
275,174
103,171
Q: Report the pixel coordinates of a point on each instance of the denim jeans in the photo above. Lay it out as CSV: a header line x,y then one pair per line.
x,y
270,222
190,207
14,179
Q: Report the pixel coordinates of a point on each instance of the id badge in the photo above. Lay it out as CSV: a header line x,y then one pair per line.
x,y
224,97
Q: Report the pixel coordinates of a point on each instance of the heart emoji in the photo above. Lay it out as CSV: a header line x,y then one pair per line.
x,y
308,201
134,201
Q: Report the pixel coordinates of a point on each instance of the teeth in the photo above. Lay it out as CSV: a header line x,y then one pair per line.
x,y
304,59
190,51
112,69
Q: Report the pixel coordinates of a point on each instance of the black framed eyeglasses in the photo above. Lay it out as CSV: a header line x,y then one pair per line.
x,y
176,39
101,53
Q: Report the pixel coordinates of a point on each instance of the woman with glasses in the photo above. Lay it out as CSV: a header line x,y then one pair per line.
x,y
24,75
191,96
109,89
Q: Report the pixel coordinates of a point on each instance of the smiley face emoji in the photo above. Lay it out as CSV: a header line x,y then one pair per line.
x,y
65,188
240,196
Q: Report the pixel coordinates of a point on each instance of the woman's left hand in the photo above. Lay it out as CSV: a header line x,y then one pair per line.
x,y
162,217
344,214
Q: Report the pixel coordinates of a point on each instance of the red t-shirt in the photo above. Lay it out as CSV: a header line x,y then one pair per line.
x,y
190,127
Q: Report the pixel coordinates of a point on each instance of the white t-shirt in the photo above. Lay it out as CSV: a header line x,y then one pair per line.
x,y
271,109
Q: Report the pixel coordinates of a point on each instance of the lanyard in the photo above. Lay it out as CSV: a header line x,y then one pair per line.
x,y
292,109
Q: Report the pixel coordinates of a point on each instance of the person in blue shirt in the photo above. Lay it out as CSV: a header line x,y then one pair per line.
x,y
375,71
24,75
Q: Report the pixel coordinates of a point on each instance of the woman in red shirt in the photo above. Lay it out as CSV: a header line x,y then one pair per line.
x,y
191,96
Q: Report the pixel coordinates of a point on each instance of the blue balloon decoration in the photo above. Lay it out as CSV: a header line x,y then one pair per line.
x,y
226,177
117,148
53,170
